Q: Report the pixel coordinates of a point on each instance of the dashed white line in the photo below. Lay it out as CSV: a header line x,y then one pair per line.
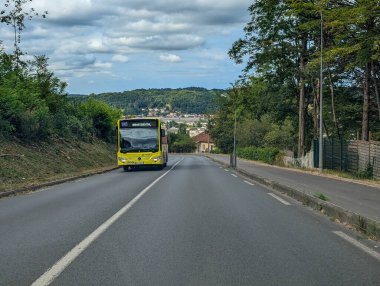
x,y
234,175
359,245
249,183
226,170
52,273
279,199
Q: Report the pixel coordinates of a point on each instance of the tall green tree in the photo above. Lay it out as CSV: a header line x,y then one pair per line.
x,y
355,27
15,13
277,48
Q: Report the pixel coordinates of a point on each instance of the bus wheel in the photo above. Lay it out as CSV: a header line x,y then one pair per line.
x,y
126,168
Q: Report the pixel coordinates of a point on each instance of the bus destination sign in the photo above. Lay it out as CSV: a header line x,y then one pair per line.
x,y
138,123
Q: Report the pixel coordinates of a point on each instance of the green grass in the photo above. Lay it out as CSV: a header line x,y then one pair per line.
x,y
321,196
32,163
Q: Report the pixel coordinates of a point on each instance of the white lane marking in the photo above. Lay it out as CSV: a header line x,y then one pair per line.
x,y
234,175
279,199
226,170
356,243
249,183
53,272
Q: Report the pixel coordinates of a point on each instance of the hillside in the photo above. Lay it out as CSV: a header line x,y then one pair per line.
x,y
185,100
28,164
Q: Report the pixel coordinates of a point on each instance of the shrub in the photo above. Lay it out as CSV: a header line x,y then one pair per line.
x,y
367,173
265,154
181,143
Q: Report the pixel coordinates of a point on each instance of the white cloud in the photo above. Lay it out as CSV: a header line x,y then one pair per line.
x,y
102,65
171,58
160,27
85,37
119,58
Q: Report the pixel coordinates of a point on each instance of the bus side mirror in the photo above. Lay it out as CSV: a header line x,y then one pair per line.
x,y
163,133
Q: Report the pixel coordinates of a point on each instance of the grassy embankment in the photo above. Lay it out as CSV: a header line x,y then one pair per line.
x,y
24,164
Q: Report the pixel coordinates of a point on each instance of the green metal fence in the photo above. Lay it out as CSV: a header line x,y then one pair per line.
x,y
349,156
335,154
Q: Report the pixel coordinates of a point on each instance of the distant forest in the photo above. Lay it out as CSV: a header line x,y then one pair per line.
x,y
194,100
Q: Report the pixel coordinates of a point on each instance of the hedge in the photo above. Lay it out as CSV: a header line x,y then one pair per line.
x,y
265,154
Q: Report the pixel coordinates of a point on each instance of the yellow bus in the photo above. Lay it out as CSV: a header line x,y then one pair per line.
x,y
141,142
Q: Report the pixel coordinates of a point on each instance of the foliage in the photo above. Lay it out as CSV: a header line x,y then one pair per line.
x,y
181,143
278,91
137,102
254,127
281,136
34,106
252,132
221,131
266,154
103,117
33,102
321,196
367,173
15,14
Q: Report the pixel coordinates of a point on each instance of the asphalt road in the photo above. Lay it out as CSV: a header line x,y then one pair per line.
x,y
189,224
352,196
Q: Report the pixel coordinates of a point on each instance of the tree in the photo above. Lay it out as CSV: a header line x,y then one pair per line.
x,y
15,14
355,28
181,143
277,47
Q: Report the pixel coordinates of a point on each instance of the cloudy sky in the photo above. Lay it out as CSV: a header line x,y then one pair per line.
x,y
116,45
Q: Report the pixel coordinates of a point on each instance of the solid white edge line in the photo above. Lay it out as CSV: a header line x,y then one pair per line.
x,y
53,272
249,183
234,175
279,199
359,245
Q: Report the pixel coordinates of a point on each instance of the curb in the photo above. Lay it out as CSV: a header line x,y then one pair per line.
x,y
52,183
367,226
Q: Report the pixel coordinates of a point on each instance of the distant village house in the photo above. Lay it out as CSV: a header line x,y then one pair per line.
x,y
204,143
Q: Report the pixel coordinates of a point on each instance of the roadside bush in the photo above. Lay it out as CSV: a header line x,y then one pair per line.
x,y
181,143
103,117
34,106
266,154
215,150
367,173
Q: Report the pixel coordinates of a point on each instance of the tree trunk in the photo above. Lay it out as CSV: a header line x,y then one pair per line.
x,y
316,109
333,104
301,119
374,80
365,122
301,107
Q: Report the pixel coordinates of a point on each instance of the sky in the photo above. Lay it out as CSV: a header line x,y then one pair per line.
x,y
100,46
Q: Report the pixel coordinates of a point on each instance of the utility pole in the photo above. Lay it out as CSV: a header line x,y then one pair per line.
x,y
321,101
234,152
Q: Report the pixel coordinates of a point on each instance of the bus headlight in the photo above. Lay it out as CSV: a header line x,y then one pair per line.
x,y
155,159
122,160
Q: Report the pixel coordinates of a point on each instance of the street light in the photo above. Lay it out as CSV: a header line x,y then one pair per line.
x,y
320,165
233,165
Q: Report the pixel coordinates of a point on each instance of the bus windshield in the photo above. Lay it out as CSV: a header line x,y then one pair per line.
x,y
139,140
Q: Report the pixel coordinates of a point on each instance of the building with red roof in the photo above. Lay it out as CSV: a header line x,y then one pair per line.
x,y
204,143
